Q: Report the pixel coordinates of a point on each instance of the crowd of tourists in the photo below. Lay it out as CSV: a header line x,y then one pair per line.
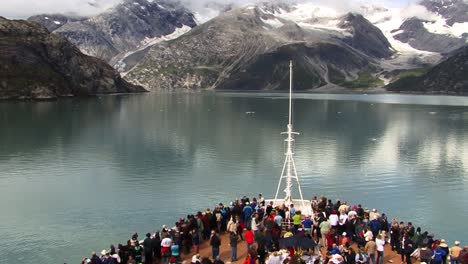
x,y
349,235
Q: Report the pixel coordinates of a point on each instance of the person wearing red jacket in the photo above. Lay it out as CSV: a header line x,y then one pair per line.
x,y
249,238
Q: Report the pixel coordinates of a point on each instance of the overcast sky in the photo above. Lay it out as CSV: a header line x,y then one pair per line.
x,y
26,8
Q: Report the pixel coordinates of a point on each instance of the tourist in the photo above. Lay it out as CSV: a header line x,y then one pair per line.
x,y
249,238
425,254
215,243
368,235
444,247
156,243
166,244
307,225
333,218
175,252
360,258
407,247
350,256
325,228
344,239
275,258
380,243
463,257
255,223
292,211
417,237
278,219
116,257
334,249
248,211
370,249
233,245
196,241
95,259
395,235
410,230
240,227
137,252
374,214
438,257
296,218
107,259
288,233
148,249
343,218
374,225
250,259
455,253
232,226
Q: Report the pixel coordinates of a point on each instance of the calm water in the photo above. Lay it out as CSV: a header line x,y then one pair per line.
x,y
78,175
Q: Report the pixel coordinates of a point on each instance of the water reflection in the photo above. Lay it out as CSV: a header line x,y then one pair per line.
x,y
100,169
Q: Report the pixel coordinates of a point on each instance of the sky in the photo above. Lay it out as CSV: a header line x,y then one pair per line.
x,y
25,8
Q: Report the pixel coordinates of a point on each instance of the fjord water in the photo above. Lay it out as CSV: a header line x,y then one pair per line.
x,y
79,175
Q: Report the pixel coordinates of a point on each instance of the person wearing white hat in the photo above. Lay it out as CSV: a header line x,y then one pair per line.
x,y
455,253
444,247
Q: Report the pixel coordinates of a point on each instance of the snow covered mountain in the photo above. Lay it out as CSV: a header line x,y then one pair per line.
x,y
140,37
127,26
249,48
423,27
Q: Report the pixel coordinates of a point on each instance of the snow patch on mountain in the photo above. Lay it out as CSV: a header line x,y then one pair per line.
x,y
147,42
274,22
177,33
309,16
440,27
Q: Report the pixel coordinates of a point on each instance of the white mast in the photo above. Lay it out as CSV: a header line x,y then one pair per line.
x,y
289,171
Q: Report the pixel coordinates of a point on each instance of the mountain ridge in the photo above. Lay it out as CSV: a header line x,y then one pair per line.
x,y
36,64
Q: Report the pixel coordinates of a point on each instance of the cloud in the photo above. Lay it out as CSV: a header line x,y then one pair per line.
x,y
26,8
420,12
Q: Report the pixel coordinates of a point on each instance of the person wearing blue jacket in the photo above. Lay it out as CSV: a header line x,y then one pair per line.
x,y
374,224
438,256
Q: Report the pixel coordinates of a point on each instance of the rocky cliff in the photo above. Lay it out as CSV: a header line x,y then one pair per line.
x,y
448,77
36,64
365,36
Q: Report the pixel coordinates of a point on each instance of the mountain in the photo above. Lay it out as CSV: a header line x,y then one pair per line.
x,y
123,28
365,36
448,77
249,48
36,64
454,11
414,32
54,21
